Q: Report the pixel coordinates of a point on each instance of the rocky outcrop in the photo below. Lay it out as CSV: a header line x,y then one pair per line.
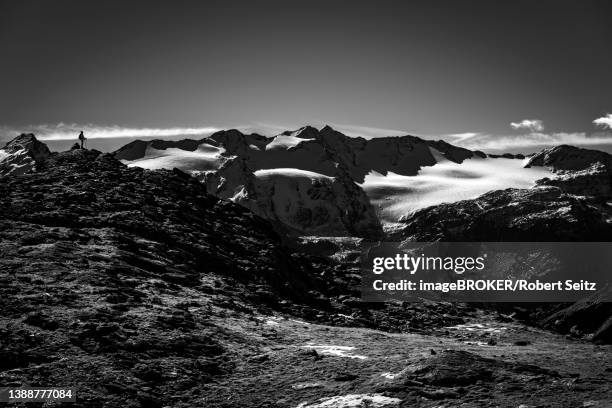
x,y
595,181
22,155
538,214
565,157
577,171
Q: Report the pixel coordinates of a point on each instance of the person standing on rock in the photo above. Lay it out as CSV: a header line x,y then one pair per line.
x,y
82,139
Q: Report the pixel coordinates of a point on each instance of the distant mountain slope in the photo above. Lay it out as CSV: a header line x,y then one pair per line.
x,y
571,205
370,183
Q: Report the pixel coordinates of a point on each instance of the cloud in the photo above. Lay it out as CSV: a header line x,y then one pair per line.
x,y
535,125
604,121
462,137
530,141
63,131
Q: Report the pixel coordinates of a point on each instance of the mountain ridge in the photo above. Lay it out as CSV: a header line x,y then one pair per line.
x,y
232,173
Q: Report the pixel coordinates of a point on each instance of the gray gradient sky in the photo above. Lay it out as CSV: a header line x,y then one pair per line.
x,y
424,67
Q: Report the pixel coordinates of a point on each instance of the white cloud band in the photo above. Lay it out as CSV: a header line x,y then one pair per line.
x,y
64,131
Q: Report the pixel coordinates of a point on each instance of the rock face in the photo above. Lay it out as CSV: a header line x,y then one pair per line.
x,y
304,202
22,154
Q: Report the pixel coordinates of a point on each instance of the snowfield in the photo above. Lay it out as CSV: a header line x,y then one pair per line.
x,y
291,173
286,142
394,195
205,157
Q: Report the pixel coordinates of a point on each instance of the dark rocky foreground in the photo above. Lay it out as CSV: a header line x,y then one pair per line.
x,y
112,280
141,290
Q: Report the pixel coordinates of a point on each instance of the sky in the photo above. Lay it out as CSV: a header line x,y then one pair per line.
x,y
501,75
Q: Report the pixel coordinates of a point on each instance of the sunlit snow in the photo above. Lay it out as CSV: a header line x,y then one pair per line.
x,y
394,195
285,142
205,157
477,327
338,351
290,173
353,401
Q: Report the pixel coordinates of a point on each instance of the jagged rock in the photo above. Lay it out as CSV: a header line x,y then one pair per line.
x,y
595,180
538,214
565,157
22,154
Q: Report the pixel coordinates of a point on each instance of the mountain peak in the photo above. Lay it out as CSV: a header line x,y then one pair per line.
x,y
25,141
22,154
305,132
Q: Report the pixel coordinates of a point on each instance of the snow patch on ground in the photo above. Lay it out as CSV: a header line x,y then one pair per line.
x,y
478,343
3,154
331,350
276,320
391,376
477,327
353,401
205,157
394,195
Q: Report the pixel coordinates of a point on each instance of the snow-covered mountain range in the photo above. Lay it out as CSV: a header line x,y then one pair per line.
x,y
322,182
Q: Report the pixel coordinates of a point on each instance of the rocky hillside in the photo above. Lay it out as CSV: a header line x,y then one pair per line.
x,y
121,282
143,290
543,213
577,171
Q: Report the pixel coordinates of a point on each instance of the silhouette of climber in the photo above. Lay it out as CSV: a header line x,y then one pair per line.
x,y
82,139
